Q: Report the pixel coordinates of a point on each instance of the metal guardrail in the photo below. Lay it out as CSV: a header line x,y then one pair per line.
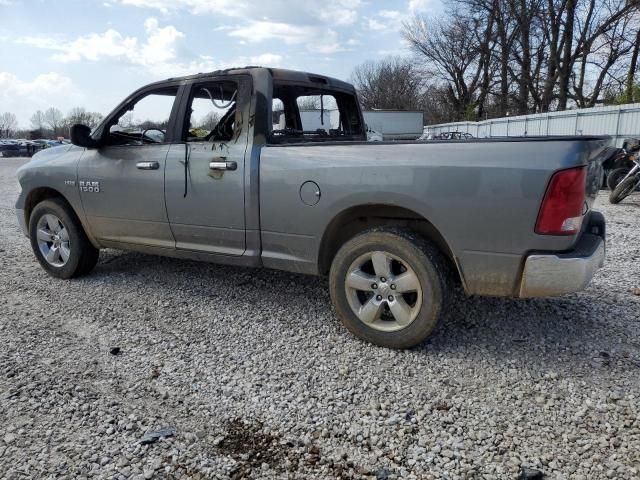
x,y
620,122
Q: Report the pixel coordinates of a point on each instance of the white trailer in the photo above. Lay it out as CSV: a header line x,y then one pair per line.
x,y
395,124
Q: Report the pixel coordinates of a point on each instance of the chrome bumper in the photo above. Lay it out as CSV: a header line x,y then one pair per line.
x,y
22,221
556,274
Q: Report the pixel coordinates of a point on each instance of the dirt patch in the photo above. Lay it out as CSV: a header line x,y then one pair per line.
x,y
250,447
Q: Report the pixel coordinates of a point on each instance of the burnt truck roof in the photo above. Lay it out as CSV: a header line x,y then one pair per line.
x,y
280,74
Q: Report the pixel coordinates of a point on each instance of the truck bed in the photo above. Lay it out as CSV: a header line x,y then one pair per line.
x,y
481,195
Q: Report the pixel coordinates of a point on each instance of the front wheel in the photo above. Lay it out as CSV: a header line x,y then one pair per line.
x,y
388,287
58,240
614,177
624,189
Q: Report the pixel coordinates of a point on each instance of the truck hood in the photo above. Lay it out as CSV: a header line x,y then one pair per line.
x,y
48,154
49,160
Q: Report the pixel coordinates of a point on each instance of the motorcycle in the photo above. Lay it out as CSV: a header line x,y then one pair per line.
x,y
621,162
628,184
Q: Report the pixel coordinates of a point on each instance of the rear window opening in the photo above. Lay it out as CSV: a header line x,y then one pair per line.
x,y
313,114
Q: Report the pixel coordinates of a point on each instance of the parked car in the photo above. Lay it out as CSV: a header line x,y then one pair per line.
x,y
9,148
391,224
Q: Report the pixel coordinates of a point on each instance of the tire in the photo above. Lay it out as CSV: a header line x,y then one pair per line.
x,y
623,189
59,242
408,259
614,177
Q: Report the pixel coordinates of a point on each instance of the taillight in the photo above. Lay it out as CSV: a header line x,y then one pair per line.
x,y
562,209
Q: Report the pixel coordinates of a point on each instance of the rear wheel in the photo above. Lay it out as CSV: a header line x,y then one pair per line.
x,y
59,242
388,287
623,189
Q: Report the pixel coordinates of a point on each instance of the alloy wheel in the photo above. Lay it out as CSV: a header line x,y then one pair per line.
x,y
53,240
383,291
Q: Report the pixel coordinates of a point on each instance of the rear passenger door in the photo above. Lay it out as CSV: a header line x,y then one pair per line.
x,y
204,180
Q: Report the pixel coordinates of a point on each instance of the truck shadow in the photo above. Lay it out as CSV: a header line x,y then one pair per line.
x,y
583,329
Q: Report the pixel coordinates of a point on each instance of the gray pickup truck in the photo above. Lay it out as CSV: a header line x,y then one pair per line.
x,y
220,167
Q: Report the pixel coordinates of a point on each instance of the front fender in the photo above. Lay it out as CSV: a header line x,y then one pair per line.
x,y
51,173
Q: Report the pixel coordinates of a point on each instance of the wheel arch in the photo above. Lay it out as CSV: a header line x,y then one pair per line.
x,y
39,194
353,220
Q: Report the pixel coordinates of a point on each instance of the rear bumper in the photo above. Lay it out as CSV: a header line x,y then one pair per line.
x,y
547,275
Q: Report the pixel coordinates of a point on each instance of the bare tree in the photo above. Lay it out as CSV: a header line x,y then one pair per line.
x,y
37,120
309,103
82,116
456,51
54,119
209,121
8,124
492,57
631,73
392,83
604,36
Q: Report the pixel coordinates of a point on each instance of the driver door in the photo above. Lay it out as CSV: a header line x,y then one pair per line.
x,y
122,183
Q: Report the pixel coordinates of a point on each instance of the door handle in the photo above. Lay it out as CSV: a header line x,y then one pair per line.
x,y
223,165
147,165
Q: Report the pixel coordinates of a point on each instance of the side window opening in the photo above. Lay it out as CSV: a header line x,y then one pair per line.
x,y
278,115
212,112
306,113
319,113
145,121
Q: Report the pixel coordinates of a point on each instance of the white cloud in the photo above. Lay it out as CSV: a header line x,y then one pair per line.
x,y
421,5
260,31
23,97
267,60
340,12
42,86
387,21
157,53
392,15
335,12
160,44
374,24
316,39
206,63
294,22
392,20
94,47
197,7
158,48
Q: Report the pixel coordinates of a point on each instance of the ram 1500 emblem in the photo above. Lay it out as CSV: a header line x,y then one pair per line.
x,y
91,187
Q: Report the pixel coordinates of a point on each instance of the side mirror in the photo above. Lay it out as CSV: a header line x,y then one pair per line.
x,y
81,136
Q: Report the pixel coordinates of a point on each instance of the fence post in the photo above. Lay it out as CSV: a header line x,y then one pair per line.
x,y
618,126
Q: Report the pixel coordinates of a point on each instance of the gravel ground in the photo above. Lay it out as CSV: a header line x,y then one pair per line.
x,y
259,380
